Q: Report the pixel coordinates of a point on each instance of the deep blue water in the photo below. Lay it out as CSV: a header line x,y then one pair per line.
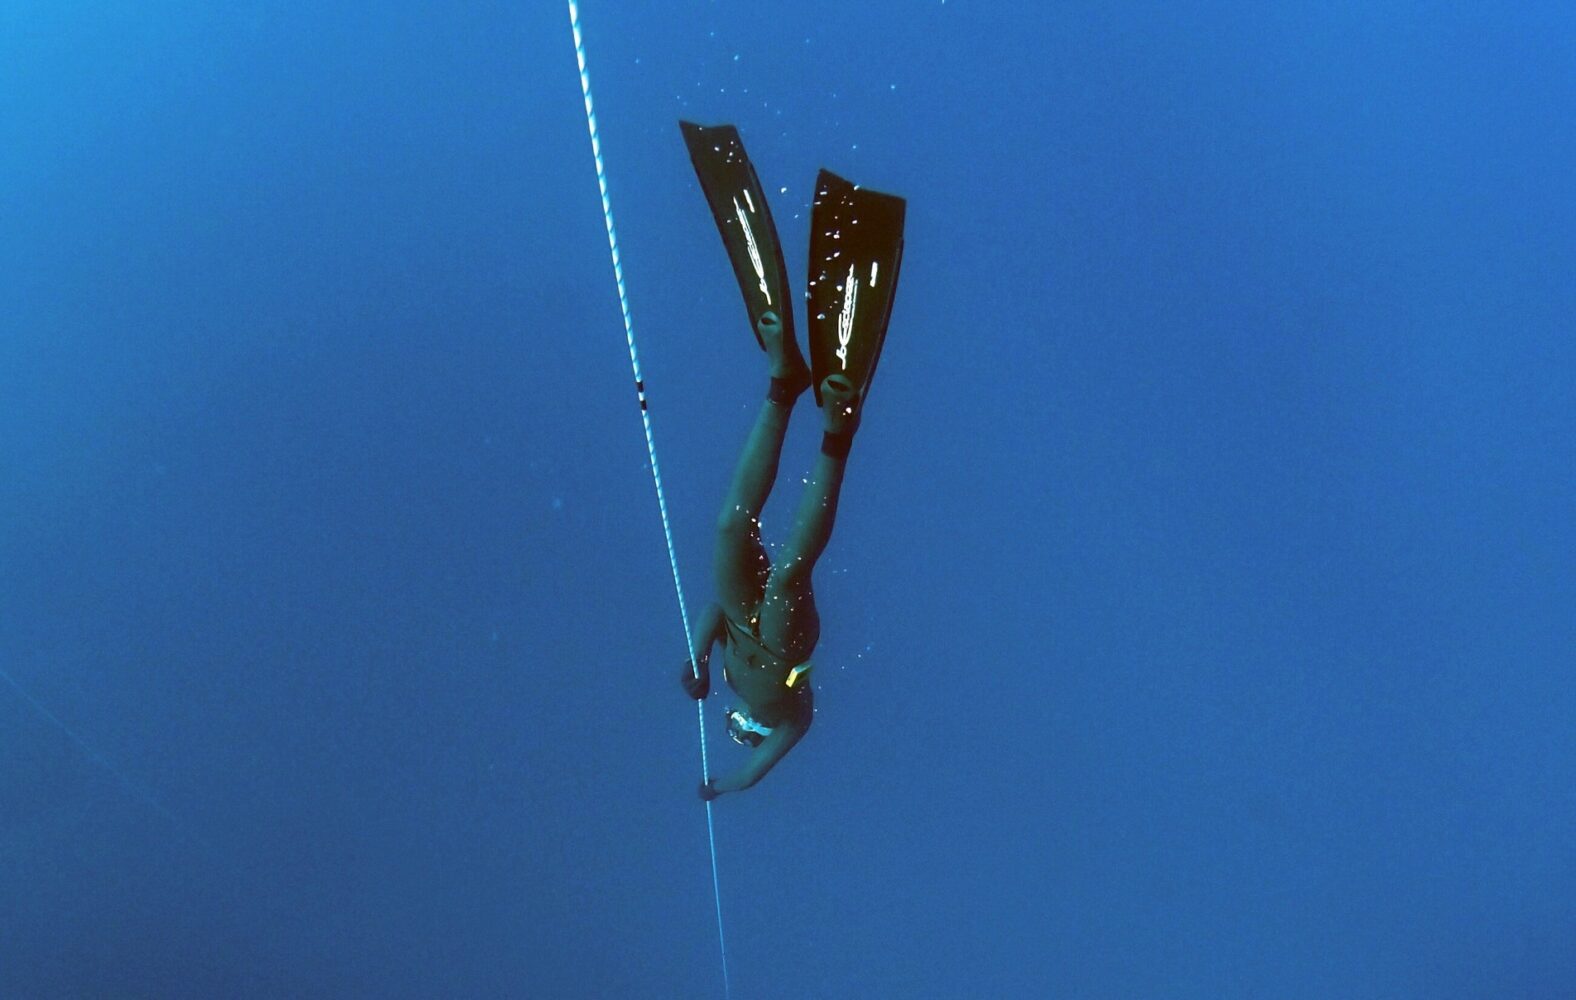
x,y
1200,617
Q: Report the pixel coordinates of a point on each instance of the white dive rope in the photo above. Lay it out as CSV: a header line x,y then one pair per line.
x,y
651,455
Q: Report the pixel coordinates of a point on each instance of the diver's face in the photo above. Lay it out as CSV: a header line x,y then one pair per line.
x,y
744,730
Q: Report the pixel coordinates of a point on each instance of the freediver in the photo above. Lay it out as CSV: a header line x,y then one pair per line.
x,y
765,616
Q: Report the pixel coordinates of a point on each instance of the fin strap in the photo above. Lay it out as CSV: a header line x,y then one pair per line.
x,y
837,445
783,391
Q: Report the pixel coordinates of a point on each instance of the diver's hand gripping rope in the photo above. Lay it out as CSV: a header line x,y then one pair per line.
x,y
651,452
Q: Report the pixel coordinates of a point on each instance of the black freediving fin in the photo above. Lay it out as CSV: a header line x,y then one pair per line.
x,y
856,248
743,218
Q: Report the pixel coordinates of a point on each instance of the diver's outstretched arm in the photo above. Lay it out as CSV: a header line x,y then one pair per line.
x,y
708,629
772,749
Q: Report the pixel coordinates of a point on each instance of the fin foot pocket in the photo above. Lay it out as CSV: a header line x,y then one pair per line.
x,y
790,374
839,406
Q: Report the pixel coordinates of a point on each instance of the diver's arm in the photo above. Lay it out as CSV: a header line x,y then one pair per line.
x,y
708,629
772,749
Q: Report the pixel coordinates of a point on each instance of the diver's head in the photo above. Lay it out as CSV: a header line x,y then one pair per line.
x,y
746,731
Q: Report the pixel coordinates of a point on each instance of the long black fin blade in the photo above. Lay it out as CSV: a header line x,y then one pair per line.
x,y
738,204
856,250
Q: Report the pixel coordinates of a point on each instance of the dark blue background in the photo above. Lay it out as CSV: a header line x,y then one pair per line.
x,y
1200,616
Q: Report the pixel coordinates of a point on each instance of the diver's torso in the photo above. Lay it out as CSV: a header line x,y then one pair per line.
x,y
758,676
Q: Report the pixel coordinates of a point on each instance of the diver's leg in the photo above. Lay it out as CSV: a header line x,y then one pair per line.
x,y
741,564
790,623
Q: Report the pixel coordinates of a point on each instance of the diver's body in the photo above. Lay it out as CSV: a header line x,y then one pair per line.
x,y
765,616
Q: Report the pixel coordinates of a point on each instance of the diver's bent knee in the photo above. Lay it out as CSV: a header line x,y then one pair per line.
x,y
792,572
735,522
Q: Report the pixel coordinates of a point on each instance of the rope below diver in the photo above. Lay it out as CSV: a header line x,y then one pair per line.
x,y
651,455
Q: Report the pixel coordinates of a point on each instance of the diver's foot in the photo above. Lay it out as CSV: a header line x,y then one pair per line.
x,y
839,406
787,364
